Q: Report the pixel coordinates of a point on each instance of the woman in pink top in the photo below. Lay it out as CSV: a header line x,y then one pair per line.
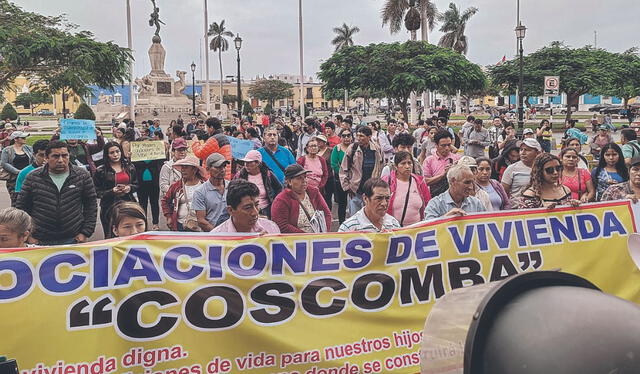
x,y
316,165
578,180
409,192
256,172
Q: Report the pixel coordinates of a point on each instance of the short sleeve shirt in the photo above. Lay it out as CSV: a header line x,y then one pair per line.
x,y
518,176
208,199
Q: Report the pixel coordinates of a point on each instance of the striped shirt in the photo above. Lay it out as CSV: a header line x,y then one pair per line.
x,y
360,222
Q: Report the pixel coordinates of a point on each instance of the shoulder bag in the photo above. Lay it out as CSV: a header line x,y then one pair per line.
x,y
274,159
406,202
317,220
191,220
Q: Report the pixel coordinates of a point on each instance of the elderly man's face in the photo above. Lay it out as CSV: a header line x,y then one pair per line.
x,y
464,186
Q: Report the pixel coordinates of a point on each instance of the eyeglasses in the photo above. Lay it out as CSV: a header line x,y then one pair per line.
x,y
346,135
551,169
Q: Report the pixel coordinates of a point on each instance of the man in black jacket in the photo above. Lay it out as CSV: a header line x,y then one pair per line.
x,y
60,198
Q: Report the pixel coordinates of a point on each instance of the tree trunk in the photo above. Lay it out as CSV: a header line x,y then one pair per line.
x,y
424,31
402,102
571,99
64,105
221,90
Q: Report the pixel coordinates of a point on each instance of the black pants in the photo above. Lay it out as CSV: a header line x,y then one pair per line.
x,y
105,220
328,191
11,189
341,199
149,192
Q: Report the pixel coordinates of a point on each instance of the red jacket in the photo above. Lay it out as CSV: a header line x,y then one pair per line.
x,y
286,209
425,195
325,170
171,200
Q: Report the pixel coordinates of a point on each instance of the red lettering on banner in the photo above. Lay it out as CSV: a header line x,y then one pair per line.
x,y
295,358
218,365
251,361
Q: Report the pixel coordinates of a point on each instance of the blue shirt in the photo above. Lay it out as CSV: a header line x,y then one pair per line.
x,y
576,133
284,157
211,201
443,203
22,175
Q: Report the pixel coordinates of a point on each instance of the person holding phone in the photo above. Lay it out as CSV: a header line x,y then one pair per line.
x,y
115,181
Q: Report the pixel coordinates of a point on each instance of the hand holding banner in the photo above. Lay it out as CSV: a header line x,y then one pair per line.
x,y
80,129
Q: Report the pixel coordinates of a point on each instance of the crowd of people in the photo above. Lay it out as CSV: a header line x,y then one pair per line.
x,y
377,177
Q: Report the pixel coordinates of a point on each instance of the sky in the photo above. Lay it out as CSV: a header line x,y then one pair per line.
x,y
269,29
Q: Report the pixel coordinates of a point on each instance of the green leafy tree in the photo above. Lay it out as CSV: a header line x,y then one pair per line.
x,y
84,112
625,79
394,13
51,49
581,70
33,99
453,26
395,70
9,112
344,36
246,108
268,109
270,90
219,43
229,99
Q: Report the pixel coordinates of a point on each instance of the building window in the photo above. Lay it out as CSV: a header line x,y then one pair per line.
x,y
226,91
309,93
281,103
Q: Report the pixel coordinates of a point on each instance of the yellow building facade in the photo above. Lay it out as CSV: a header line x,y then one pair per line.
x,y
26,84
312,95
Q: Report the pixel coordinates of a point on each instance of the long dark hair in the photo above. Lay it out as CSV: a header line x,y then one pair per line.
x,y
621,168
105,154
537,171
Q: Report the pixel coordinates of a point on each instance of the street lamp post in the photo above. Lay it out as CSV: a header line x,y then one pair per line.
x,y
193,86
238,43
520,33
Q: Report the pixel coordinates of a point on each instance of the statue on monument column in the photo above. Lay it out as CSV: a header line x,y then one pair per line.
x,y
155,18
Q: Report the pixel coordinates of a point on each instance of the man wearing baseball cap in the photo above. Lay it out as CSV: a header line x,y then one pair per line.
x,y
517,175
168,174
528,133
210,198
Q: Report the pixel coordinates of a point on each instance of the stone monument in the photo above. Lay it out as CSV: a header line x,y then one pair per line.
x,y
158,94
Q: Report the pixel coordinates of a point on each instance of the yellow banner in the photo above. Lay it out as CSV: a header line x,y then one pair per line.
x,y
313,304
148,150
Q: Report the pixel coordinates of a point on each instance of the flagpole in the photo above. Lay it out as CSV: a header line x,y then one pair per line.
x,y
301,60
206,58
132,98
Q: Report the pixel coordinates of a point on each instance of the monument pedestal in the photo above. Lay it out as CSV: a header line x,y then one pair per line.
x,y
159,95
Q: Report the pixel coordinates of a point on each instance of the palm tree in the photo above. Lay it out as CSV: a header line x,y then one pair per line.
x,y
219,43
416,14
394,13
344,36
453,26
